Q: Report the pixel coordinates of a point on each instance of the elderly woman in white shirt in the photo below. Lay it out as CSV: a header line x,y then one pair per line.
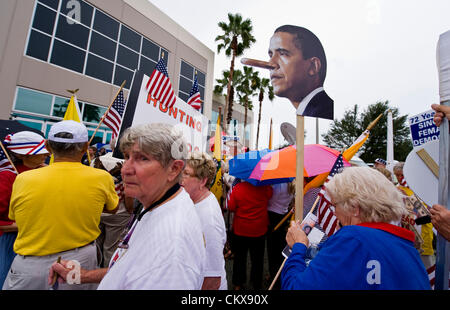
x,y
164,247
198,176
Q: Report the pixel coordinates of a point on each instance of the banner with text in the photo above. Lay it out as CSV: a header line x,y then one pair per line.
x,y
143,109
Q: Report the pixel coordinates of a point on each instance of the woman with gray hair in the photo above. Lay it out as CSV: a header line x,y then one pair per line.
x,y
163,248
367,252
198,176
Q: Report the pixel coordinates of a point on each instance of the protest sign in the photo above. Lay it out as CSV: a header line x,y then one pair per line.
x,y
144,109
423,129
419,176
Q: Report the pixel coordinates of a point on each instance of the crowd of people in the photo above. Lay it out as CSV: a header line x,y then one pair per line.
x,y
150,221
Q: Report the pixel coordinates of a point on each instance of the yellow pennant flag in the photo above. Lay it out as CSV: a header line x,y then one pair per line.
x,y
216,188
72,113
270,135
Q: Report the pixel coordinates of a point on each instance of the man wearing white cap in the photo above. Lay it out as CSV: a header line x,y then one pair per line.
x,y
57,210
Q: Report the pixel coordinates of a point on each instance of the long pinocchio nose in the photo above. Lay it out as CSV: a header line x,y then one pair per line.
x,y
257,63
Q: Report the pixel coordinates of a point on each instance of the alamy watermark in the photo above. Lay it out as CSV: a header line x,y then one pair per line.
x,y
74,13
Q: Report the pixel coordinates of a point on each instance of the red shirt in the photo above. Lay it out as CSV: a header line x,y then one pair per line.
x,y
249,203
7,178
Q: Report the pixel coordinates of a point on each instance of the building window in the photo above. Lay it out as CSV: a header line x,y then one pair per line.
x,y
40,110
187,75
97,45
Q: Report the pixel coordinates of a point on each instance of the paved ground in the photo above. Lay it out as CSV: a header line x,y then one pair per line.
x,y
248,286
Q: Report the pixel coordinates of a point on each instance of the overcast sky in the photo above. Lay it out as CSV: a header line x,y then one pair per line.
x,y
377,50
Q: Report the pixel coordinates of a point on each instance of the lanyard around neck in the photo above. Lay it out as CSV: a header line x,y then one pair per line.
x,y
138,217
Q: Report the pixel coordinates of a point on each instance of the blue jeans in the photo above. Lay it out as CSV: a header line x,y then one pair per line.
x,y
6,254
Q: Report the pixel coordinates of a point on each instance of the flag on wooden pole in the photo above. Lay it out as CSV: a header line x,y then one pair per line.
x,y
113,118
217,188
325,213
159,86
194,97
270,135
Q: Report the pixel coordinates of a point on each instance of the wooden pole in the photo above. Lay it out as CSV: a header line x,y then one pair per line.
x,y
282,265
104,115
300,139
289,214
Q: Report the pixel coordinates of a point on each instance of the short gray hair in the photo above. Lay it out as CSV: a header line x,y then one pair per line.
x,y
378,198
62,149
163,142
203,166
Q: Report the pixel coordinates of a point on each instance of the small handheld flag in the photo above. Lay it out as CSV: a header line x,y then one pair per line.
x,y
114,117
159,86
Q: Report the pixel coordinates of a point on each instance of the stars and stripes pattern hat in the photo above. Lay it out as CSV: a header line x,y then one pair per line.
x,y
26,143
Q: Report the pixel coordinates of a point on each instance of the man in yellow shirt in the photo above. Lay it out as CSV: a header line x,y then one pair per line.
x,y
57,210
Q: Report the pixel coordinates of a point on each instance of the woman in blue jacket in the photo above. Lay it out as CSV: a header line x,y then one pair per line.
x,y
367,252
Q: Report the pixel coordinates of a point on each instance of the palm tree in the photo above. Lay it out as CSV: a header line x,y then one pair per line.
x,y
262,85
235,39
222,83
246,89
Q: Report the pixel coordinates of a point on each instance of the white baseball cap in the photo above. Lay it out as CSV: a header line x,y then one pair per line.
x,y
26,143
78,130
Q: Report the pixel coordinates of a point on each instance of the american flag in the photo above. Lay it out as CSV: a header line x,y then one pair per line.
x,y
159,86
114,117
325,214
431,271
120,190
5,164
194,97
236,181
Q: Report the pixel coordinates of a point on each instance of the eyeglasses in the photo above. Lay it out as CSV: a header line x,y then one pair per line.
x,y
187,174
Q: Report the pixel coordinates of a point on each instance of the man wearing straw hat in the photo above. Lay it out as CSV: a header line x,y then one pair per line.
x,y
57,210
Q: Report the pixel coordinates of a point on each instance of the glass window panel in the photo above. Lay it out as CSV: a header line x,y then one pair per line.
x,y
147,65
202,92
183,96
185,85
130,38
32,101
98,136
85,11
92,113
38,45
51,3
67,56
106,25
34,125
127,58
108,136
44,19
200,78
99,68
150,49
103,46
121,75
60,106
187,70
74,33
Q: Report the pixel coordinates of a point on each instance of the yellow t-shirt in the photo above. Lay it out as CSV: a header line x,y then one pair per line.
x,y
58,207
